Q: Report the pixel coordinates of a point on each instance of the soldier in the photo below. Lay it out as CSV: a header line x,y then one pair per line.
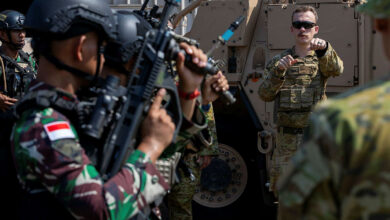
x,y
341,171
57,177
296,80
119,60
17,68
197,154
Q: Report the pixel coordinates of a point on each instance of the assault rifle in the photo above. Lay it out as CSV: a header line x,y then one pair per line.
x,y
127,109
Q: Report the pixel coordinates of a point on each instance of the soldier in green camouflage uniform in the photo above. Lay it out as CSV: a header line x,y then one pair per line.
x,y
296,80
342,170
58,178
197,155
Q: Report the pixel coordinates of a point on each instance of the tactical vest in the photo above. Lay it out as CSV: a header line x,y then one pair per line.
x,y
303,87
18,75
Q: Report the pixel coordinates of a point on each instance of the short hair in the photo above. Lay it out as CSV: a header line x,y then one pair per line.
x,y
305,8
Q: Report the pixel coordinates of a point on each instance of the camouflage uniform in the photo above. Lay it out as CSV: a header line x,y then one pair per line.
x,y
50,162
180,198
295,91
342,170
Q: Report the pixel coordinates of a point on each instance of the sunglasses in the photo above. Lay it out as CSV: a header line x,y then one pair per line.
x,y
304,24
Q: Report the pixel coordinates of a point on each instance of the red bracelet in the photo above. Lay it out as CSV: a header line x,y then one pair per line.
x,y
190,95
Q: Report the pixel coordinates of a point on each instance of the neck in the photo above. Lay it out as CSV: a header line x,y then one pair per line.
x,y
60,79
8,51
302,50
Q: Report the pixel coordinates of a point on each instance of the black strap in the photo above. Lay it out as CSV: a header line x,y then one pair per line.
x,y
43,99
291,130
14,63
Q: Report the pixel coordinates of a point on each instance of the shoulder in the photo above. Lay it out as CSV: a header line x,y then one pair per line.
x,y
46,125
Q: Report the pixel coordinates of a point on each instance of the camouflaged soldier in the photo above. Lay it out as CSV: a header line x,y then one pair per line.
x,y
58,179
17,68
296,81
341,171
197,154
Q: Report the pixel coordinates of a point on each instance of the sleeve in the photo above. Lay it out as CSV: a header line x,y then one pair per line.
x,y
273,80
211,148
306,189
59,163
187,131
330,63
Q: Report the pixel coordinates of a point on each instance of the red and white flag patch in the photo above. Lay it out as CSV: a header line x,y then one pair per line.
x,y
59,130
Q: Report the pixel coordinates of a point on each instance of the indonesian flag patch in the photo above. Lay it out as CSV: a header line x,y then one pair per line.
x,y
59,130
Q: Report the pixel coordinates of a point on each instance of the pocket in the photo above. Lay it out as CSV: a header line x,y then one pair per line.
x,y
296,98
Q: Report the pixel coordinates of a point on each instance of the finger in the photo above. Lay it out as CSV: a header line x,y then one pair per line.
x,y
157,100
187,48
9,103
196,55
11,99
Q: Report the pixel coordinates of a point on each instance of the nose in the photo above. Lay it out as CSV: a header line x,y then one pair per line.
x,y
302,29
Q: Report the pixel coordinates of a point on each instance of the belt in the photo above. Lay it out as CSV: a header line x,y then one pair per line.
x,y
290,130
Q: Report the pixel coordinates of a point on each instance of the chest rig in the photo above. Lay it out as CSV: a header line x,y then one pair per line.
x,y
303,87
17,75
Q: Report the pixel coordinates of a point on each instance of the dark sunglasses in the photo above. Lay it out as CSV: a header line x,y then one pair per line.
x,y
304,24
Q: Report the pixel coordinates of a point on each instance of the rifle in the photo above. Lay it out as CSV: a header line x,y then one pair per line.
x,y
126,108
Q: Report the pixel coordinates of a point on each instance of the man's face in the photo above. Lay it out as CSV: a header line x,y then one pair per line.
x,y
303,32
17,37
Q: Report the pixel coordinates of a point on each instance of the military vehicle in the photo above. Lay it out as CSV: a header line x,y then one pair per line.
x,y
238,181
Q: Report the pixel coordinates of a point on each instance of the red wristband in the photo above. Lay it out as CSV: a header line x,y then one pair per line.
x,y
190,95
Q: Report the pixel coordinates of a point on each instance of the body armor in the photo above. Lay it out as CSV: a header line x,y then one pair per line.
x,y
303,87
18,74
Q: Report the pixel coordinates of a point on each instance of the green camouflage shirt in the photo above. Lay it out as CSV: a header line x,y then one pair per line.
x,y
342,170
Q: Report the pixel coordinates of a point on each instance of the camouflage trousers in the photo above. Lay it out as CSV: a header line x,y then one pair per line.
x,y
180,198
286,145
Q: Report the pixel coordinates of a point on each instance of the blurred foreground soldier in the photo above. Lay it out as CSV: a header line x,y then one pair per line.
x,y
58,179
341,171
296,81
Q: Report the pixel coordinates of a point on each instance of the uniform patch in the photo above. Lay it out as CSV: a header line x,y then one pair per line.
x,y
59,130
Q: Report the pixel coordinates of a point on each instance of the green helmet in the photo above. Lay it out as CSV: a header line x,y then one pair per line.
x,y
375,8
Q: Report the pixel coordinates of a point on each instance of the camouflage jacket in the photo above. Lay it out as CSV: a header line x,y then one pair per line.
x,y
16,82
48,158
297,89
342,170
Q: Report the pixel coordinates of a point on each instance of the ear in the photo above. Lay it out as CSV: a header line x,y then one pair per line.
x,y
291,29
3,34
316,29
78,47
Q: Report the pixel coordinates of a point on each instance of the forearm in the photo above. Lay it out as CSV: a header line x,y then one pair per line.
x,y
330,63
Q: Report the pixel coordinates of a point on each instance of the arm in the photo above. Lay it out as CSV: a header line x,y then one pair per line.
x,y
329,62
273,80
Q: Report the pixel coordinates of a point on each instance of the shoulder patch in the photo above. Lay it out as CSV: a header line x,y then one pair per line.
x,y
59,130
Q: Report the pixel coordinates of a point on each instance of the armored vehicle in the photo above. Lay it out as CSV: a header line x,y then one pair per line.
x,y
246,129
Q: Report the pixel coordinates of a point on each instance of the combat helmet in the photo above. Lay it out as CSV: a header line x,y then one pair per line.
x,y
48,20
131,29
11,20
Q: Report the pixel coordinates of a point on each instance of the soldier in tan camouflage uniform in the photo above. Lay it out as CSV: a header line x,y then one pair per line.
x,y
342,170
296,80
